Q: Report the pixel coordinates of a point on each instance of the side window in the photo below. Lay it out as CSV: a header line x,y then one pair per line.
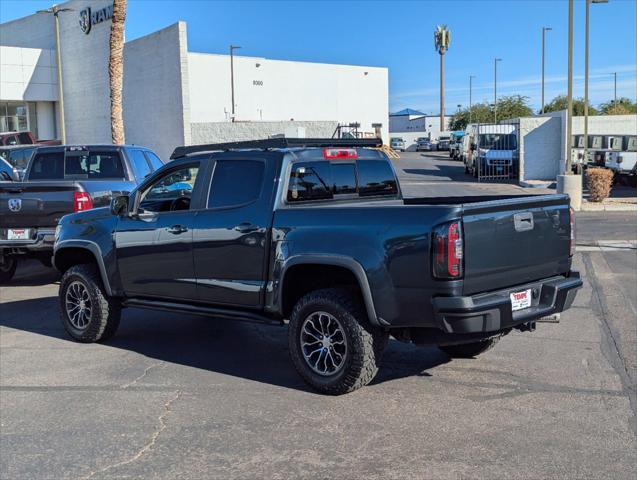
x,y
235,182
376,178
6,171
310,181
139,163
47,166
25,138
154,160
17,158
170,192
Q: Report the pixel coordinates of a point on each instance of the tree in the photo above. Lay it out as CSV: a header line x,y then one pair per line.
x,y
442,39
116,70
623,106
561,103
513,106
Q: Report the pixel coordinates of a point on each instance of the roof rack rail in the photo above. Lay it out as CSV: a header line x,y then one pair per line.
x,y
274,143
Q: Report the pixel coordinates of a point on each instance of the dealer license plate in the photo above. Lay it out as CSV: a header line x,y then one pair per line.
x,y
18,234
520,300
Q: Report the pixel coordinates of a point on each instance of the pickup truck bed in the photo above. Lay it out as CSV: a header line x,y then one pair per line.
x,y
319,236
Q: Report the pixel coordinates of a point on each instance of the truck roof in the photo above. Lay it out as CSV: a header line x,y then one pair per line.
x,y
279,144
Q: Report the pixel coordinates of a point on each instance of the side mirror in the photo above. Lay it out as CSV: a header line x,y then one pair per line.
x,y
119,205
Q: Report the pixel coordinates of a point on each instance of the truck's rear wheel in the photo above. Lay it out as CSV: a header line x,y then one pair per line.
x,y
8,267
332,344
469,350
88,314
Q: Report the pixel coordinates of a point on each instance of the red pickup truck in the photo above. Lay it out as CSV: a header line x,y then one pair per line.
x,y
23,138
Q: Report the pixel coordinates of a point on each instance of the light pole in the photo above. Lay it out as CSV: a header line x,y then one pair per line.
x,y
588,4
459,106
232,49
569,119
615,96
55,10
471,77
544,30
495,89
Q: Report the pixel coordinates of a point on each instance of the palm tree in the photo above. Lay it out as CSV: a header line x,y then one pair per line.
x,y
116,70
442,39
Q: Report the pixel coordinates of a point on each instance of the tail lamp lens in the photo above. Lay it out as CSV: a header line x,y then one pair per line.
x,y
448,251
572,225
82,201
339,153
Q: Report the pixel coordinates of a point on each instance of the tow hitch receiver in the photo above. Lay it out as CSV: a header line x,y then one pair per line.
x,y
526,327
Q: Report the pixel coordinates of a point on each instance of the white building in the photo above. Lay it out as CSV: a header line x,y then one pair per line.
x,y
172,96
410,125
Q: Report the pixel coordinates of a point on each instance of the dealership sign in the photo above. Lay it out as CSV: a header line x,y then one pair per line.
x,y
89,18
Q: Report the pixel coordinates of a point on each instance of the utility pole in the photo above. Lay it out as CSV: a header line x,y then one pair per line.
x,y
544,30
588,4
495,89
55,10
569,120
232,49
615,97
471,77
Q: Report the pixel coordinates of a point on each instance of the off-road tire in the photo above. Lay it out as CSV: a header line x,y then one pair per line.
x,y
105,311
7,271
469,350
365,342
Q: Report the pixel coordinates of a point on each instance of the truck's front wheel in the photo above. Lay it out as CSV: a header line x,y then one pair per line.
x,y
469,350
88,313
332,344
8,267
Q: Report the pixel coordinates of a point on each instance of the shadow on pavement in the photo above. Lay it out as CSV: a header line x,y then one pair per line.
x,y
33,273
251,351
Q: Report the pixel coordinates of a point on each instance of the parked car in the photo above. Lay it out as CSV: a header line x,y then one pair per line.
x,y
7,172
493,151
443,142
255,236
398,144
61,180
23,138
18,156
624,162
455,145
423,144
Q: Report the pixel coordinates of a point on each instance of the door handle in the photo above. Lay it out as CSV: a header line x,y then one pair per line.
x,y
176,229
246,227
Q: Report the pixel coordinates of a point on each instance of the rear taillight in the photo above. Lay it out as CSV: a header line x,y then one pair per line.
x,y
82,201
448,251
572,225
339,153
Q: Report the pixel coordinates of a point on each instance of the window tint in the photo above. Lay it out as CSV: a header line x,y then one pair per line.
x,y
47,166
155,161
22,161
140,165
93,164
170,192
343,178
310,181
6,171
25,138
235,182
376,178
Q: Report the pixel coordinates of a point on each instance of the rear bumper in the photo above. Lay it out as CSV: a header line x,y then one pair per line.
x,y
491,312
42,240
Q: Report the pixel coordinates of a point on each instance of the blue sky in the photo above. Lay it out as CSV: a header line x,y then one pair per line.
x,y
399,35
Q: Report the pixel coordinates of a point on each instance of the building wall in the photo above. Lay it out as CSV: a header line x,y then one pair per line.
x,y
407,123
607,125
275,90
219,132
156,90
28,74
34,31
540,144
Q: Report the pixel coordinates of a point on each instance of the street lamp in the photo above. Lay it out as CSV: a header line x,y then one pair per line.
x,y
615,97
459,106
55,11
495,89
544,30
588,3
471,77
232,49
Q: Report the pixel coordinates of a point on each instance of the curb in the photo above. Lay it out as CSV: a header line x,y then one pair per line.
x,y
602,207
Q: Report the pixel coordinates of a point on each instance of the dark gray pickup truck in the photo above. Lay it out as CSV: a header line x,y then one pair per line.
x,y
61,180
316,233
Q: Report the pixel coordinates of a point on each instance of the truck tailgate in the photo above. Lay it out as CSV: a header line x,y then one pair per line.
x,y
41,204
510,242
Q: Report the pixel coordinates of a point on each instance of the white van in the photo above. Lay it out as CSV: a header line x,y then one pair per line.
x,y
491,150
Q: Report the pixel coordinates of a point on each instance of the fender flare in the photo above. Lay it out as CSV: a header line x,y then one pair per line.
x,y
95,250
337,261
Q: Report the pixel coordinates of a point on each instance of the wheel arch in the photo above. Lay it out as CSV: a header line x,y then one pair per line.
x,y
343,268
76,252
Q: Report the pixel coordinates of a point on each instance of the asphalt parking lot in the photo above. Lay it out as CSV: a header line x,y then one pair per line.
x,y
177,396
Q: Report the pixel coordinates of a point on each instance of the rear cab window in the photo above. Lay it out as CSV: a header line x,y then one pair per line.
x,y
325,180
77,164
